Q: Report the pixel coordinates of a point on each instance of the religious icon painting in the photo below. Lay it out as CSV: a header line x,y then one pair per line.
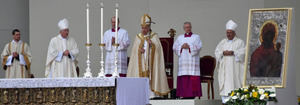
x,y
267,47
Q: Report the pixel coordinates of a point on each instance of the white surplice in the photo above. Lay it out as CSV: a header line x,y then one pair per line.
x,y
124,42
58,65
16,68
189,61
230,68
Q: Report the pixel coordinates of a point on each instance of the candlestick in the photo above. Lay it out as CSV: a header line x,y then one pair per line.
x,y
101,74
88,73
115,73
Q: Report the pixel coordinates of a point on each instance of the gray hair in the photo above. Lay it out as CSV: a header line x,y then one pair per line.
x,y
187,22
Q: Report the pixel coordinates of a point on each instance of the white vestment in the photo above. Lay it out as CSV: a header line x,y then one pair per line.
x,y
189,61
16,68
230,68
58,65
124,42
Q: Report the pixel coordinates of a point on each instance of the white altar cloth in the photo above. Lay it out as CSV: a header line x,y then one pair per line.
x,y
59,82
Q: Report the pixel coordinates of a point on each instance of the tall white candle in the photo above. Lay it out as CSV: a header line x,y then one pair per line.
x,y
101,23
116,26
87,23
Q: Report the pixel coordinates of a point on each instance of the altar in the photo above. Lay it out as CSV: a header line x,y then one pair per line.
x,y
74,91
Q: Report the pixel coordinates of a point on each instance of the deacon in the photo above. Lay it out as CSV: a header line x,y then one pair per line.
x,y
230,59
123,41
187,47
62,53
16,57
147,59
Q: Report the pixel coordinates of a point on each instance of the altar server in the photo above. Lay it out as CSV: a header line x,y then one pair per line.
x,y
110,41
187,47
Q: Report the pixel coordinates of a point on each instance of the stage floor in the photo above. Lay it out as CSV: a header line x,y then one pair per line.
x,y
186,102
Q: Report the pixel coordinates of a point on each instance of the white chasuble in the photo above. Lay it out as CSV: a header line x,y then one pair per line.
x,y
58,65
230,68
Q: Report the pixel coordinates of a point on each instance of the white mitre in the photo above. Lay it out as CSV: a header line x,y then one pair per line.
x,y
63,24
231,25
